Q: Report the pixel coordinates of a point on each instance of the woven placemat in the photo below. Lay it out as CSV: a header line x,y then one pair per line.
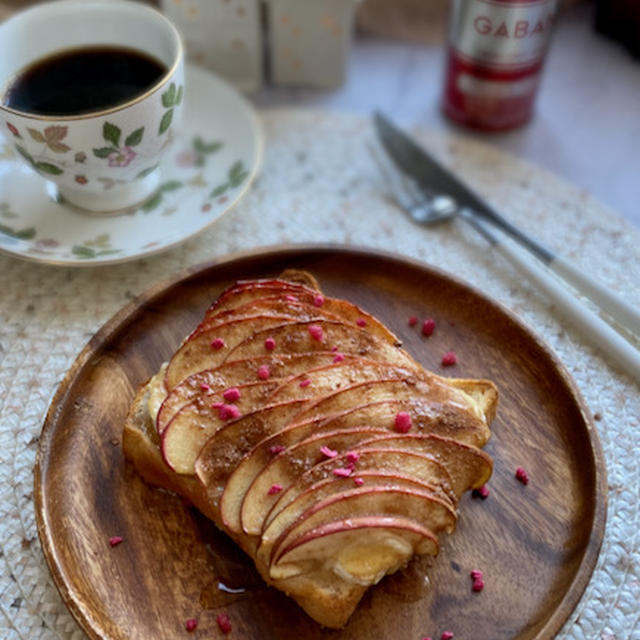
x,y
320,184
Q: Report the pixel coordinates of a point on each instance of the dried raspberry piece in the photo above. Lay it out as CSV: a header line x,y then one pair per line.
x,y
232,394
318,301
342,472
217,344
276,449
305,383
361,322
269,344
449,359
402,422
428,327
330,453
476,574
114,541
338,358
353,457
223,622
481,492
358,481
522,475
191,624
228,412
315,331
264,372
275,488
413,321
478,585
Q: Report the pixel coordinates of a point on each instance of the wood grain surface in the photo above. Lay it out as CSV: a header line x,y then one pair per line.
x,y
536,544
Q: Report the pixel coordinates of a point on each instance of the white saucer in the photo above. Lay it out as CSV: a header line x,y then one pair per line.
x,y
210,166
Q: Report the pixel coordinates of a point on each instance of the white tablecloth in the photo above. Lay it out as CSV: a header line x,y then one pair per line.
x,y
319,184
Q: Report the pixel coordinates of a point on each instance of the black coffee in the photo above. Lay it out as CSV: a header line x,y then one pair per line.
x,y
83,80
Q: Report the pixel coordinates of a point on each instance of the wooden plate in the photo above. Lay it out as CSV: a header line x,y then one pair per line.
x,y
537,544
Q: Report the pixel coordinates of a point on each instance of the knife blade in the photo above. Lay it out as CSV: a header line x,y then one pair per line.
x,y
420,165
416,162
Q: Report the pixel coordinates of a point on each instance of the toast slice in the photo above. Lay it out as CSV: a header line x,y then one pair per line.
x,y
310,473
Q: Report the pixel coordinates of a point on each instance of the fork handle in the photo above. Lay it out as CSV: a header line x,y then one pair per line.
x,y
609,302
612,304
586,321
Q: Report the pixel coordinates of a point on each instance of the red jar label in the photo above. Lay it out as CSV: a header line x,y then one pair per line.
x,y
496,52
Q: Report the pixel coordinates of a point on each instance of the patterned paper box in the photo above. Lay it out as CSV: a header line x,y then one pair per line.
x,y
309,41
223,35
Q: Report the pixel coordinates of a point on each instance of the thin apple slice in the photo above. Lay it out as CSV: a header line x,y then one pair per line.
x,y
359,550
391,500
468,466
235,372
384,462
286,467
339,496
211,348
319,335
441,407
243,293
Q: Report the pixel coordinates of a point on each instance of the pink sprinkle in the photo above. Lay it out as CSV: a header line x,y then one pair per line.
x,y
306,382
403,422
449,359
315,332
413,321
269,344
290,298
217,344
191,624
217,405
428,327
339,358
478,585
275,488
521,475
476,574
447,635
276,449
361,322
205,387
342,472
223,622
330,453
114,541
358,481
353,456
228,412
481,492
232,394
318,301
263,372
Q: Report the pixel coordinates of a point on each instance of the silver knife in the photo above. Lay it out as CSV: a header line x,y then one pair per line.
x,y
416,162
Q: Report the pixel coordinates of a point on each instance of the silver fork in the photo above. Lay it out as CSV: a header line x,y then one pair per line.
x,y
426,208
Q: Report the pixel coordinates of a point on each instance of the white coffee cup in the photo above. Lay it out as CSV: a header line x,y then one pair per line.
x,y
107,160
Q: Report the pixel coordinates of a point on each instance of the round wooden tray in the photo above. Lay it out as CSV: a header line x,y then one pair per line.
x,y
536,544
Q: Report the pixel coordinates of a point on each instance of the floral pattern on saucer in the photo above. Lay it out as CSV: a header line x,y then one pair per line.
x,y
210,165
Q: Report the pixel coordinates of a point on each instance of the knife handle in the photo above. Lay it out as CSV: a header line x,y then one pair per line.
x,y
612,304
592,327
